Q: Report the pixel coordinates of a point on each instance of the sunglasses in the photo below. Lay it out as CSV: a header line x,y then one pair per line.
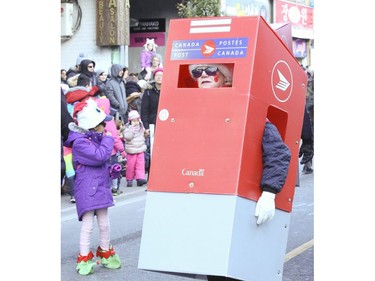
x,y
210,71
90,66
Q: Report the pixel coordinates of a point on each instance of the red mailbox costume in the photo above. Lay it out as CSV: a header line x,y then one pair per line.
x,y
208,178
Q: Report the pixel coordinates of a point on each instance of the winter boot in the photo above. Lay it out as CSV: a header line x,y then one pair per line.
x,y
85,264
306,151
141,182
117,192
109,258
129,183
307,168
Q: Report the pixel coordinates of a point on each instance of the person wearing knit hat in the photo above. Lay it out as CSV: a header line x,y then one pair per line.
x,y
135,147
80,58
159,69
102,76
91,148
211,75
74,70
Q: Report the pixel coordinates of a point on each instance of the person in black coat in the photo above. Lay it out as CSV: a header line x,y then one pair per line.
x,y
275,153
276,159
150,100
87,68
306,150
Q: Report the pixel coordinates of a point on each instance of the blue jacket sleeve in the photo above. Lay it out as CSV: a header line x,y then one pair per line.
x,y
276,159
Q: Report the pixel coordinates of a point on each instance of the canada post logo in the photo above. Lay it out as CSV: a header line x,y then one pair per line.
x,y
211,48
281,81
208,48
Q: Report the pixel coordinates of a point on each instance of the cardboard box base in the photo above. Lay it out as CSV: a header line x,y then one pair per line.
x,y
210,234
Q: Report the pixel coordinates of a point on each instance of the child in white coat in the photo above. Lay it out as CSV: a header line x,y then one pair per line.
x,y
135,146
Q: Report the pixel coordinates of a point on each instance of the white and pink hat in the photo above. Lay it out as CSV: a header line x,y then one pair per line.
x,y
89,115
133,115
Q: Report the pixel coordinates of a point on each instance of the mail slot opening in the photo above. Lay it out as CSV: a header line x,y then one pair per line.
x,y
279,118
205,75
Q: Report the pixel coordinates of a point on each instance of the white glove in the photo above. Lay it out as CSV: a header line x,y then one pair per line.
x,y
265,208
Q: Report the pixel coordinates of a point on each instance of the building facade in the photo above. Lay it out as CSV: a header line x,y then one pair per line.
x,y
115,31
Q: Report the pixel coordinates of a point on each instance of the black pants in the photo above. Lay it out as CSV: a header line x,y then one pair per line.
x,y
307,130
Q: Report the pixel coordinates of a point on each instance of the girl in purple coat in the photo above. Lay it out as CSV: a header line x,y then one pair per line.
x,y
91,150
147,53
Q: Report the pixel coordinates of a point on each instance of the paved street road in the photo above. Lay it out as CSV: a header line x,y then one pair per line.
x,y
126,228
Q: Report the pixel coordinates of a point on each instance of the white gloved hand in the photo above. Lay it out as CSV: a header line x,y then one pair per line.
x,y
265,208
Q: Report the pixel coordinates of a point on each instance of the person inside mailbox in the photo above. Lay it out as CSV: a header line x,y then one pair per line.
x,y
275,153
211,75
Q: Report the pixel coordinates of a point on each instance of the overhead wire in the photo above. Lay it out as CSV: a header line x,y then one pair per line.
x,y
79,17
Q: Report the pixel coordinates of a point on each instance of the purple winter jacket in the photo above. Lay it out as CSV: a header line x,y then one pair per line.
x,y
146,58
91,152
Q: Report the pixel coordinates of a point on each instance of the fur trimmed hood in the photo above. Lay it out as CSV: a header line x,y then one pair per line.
x,y
75,128
150,41
72,89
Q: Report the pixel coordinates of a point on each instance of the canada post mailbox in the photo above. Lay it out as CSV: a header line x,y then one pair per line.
x,y
207,154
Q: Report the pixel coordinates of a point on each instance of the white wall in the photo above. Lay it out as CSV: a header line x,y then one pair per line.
x,y
84,40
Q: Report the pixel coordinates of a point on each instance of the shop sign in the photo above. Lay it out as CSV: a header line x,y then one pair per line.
x,y
112,22
149,25
300,16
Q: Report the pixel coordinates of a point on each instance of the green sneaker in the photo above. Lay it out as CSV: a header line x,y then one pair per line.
x,y
85,264
108,259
